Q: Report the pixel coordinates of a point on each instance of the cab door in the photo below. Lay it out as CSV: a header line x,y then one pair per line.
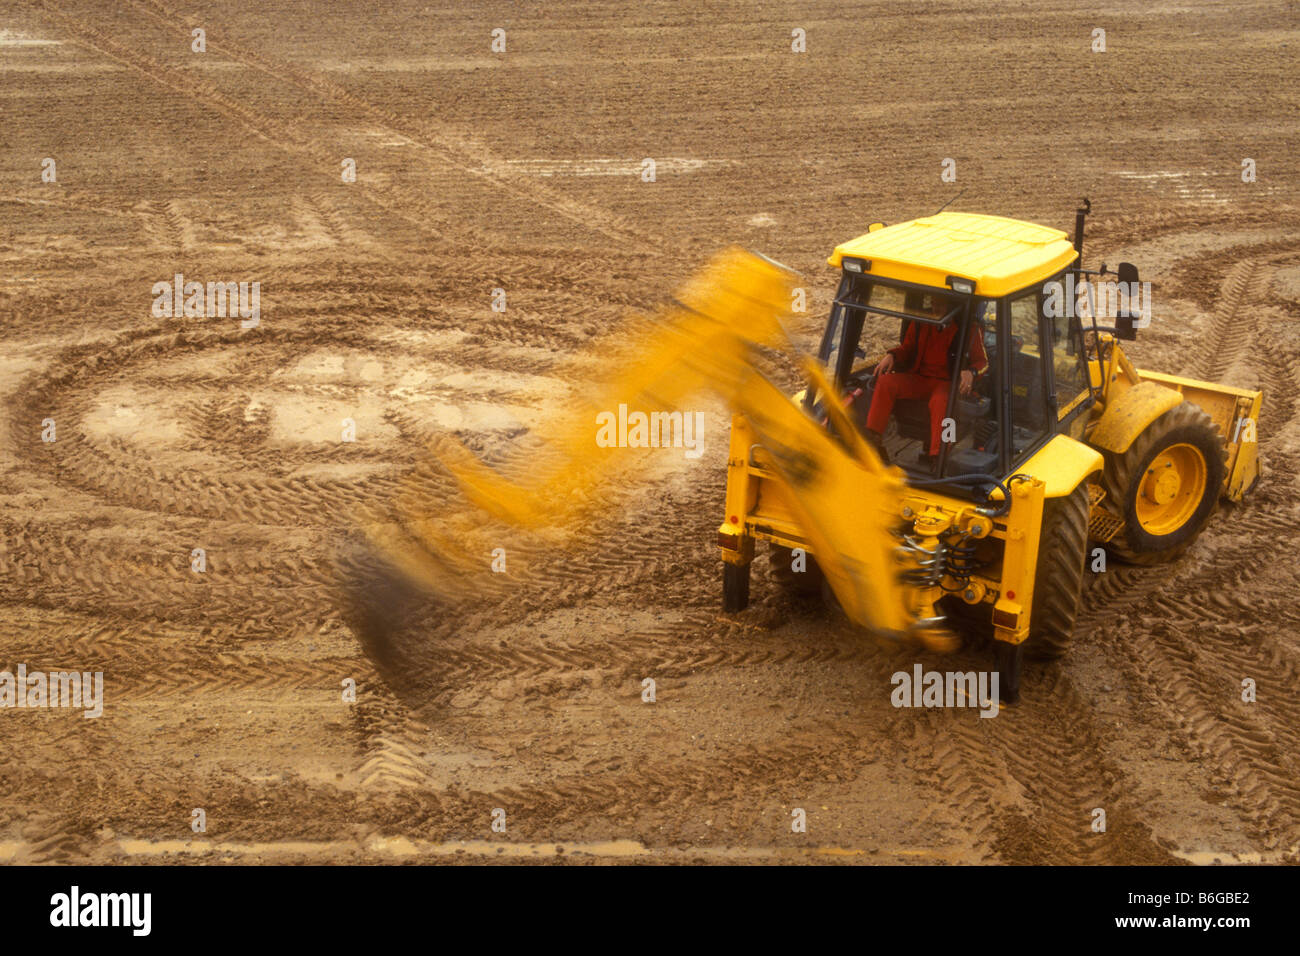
x,y
1029,417
1068,379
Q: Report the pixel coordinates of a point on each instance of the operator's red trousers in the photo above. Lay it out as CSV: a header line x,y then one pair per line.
x,y
895,385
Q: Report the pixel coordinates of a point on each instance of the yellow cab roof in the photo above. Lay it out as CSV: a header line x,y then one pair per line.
x,y
1000,255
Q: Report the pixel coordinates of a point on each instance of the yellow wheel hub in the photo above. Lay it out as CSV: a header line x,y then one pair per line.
x,y
1171,490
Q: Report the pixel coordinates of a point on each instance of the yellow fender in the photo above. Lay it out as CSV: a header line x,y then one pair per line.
x,y
1129,414
1061,465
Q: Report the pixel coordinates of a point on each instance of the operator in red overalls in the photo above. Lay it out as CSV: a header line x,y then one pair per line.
x,y
922,359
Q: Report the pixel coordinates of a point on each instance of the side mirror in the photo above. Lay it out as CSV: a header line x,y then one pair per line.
x,y
1126,322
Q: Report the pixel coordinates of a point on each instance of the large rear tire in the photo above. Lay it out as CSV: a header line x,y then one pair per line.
x,y
1166,486
1058,580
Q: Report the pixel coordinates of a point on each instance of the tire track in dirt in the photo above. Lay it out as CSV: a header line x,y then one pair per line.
x,y
338,226
699,642
1281,381
696,644
1065,772
151,217
160,229
427,134
61,197
106,468
289,136
1254,761
1234,326
1028,797
1279,368
973,792
97,634
1194,634
267,596
181,225
1114,593
139,670
313,223
271,613
416,211
391,741
50,841
111,470
742,785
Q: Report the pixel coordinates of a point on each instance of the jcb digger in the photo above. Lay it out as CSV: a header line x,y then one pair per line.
x,y
1049,438
962,495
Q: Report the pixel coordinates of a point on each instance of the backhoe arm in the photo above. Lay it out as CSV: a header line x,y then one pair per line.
x,y
846,500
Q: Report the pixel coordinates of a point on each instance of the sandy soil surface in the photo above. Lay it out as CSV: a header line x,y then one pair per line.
x,y
522,171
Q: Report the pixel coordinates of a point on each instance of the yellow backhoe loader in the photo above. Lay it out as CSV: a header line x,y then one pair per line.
x,y
1014,436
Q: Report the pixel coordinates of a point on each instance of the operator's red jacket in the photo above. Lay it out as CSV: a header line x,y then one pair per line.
x,y
934,346
922,363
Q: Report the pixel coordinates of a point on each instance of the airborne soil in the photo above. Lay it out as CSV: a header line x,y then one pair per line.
x,y
525,171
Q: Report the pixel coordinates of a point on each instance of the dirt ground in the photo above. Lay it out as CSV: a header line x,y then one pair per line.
x,y
522,171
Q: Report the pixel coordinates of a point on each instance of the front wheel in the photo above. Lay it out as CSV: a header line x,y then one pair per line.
x,y
1166,486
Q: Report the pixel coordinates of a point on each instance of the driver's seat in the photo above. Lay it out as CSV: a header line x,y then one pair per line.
x,y
912,415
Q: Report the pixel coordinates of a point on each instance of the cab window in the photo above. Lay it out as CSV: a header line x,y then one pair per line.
x,y
1068,371
1028,413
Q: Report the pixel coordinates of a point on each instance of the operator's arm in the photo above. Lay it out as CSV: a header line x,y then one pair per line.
x,y
901,355
978,360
